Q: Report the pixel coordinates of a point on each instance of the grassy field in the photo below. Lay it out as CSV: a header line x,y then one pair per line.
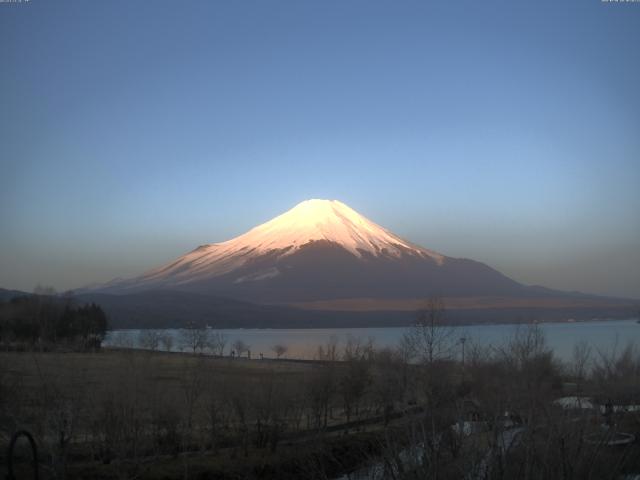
x,y
111,368
127,414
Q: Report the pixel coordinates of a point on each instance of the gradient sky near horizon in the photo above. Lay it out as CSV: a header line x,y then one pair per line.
x,y
507,132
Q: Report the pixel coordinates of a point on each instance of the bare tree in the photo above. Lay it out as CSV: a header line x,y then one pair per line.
x,y
194,337
166,340
239,402
279,349
216,409
192,382
432,337
118,420
404,355
240,347
527,346
617,372
61,411
217,342
149,340
321,387
356,375
322,382
122,339
268,410
580,362
388,381
328,352
358,349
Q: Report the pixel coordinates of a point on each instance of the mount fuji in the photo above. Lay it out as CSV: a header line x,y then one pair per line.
x,y
321,250
340,268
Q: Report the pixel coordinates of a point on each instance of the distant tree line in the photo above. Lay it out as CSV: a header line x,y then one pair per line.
x,y
44,321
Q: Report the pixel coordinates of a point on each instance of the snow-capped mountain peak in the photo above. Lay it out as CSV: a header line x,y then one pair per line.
x,y
309,221
329,220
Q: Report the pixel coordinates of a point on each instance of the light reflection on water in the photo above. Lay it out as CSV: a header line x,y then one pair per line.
x,y
603,335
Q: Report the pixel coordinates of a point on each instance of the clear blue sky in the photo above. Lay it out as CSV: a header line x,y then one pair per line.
x,y
504,131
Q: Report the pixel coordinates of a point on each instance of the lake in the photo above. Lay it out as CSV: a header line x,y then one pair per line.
x,y
602,335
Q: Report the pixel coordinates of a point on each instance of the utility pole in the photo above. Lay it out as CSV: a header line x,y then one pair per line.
x,y
462,342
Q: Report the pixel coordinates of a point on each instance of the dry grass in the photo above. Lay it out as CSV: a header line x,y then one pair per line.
x,y
152,379
110,367
38,387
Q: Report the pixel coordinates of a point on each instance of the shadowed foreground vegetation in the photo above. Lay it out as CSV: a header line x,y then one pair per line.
x,y
408,413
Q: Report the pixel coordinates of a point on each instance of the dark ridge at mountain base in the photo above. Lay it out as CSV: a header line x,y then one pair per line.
x,y
162,309
174,309
6,295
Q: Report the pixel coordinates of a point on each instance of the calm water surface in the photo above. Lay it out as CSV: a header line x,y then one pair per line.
x,y
603,335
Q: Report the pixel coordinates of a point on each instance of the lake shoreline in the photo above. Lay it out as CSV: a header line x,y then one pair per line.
x,y
303,343
407,325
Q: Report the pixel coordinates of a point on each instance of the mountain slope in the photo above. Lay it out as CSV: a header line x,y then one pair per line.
x,y
319,250
308,222
6,295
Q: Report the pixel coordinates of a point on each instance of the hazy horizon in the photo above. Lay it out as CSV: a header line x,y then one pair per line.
x,y
508,133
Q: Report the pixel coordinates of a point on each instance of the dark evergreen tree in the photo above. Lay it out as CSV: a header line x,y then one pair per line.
x,y
46,321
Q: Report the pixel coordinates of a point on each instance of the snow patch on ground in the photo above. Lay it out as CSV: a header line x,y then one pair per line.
x,y
263,275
